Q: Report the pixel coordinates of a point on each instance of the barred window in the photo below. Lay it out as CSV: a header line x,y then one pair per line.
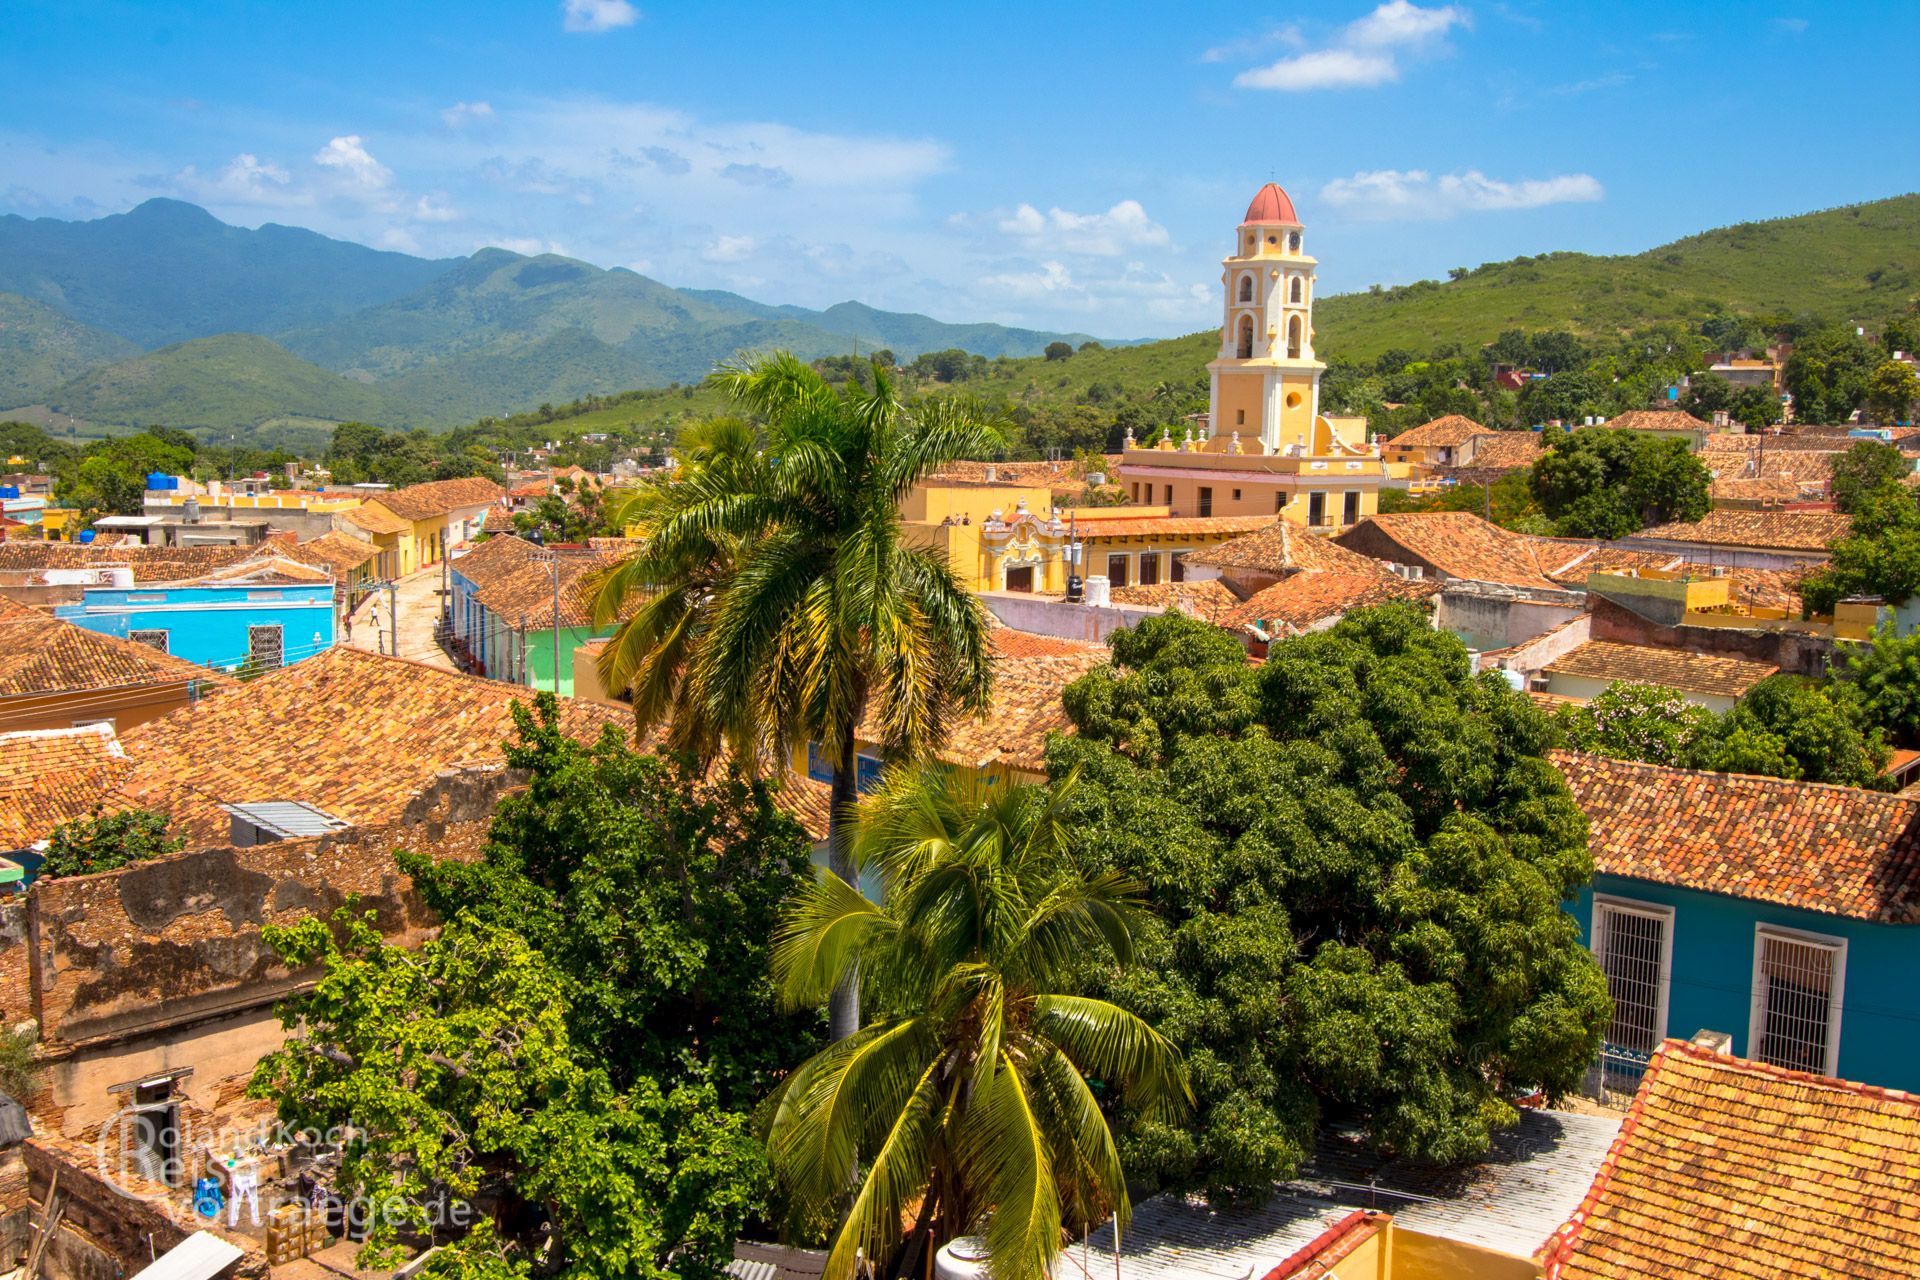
x,y
152,639
1633,943
1797,981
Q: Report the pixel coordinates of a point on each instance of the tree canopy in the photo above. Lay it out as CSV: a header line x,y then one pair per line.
x,y
106,841
1879,557
1865,468
1356,854
1602,483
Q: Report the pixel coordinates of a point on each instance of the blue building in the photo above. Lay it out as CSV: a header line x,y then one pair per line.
x,y
1783,914
221,625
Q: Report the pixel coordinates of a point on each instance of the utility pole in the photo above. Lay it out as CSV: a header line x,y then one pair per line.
x,y
556,624
393,610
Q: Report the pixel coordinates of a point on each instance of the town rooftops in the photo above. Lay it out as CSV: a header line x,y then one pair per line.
x,y
1282,547
1442,433
40,655
333,550
522,593
1761,530
439,497
1208,599
350,732
1657,420
1683,669
375,519
1308,601
1726,1167
51,776
1458,544
1836,850
149,564
1166,526
1499,451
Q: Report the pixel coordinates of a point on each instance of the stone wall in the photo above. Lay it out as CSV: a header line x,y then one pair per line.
x,y
160,967
1795,653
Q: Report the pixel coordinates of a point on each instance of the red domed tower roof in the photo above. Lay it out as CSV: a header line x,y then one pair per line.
x,y
1270,205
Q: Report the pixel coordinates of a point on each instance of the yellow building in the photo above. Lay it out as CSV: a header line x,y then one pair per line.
x,y
1267,449
1011,537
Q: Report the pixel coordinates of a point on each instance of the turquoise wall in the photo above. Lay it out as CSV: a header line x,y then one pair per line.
x,y
1711,983
540,655
208,625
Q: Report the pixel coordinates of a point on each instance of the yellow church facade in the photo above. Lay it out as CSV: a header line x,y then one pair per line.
x,y
1266,449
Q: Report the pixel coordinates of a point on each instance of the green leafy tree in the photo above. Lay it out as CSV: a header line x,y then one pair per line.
x,y
1793,727
1755,408
652,893
1059,350
111,477
1866,467
968,1105
1603,483
1886,672
779,599
1879,557
106,841
1637,722
454,1071
1827,375
1356,854
1891,390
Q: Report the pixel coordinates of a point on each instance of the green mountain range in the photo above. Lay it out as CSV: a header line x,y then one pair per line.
x,y
403,341
359,333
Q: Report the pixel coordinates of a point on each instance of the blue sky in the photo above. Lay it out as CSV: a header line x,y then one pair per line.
x,y
1051,165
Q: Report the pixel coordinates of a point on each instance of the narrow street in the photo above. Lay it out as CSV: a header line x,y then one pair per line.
x,y
418,599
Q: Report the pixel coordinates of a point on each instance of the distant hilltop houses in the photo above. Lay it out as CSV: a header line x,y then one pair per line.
x,y
296,682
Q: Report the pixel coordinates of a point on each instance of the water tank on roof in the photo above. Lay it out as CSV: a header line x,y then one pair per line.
x,y
962,1259
157,479
1098,590
86,535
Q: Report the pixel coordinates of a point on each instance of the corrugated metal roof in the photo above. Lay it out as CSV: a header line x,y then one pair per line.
x,y
201,1256
289,819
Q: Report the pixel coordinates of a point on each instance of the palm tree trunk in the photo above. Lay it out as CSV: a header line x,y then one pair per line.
x,y
843,1011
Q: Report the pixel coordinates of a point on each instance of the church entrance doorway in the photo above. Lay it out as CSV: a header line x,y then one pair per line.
x,y
1020,579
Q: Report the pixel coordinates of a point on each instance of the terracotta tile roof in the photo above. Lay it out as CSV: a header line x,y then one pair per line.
x,y
532,489
1030,672
809,803
1824,848
1171,526
39,654
271,565
1569,562
1767,530
1460,545
1726,1167
51,776
1284,547
1772,490
524,593
1657,420
1207,599
375,519
1503,451
438,497
347,731
1681,669
1306,600
340,552
1769,588
149,564
1452,430
492,560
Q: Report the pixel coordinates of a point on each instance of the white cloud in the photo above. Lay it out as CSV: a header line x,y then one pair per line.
x,y
1323,69
1393,195
1399,23
1048,278
348,157
1252,46
433,207
530,246
399,238
597,15
730,249
461,113
1790,26
245,179
1365,54
1125,226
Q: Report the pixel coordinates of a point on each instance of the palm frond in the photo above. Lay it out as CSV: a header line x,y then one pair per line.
x,y
1008,1153
820,938
1115,1045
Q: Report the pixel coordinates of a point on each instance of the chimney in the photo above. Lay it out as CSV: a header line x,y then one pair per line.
x,y
1717,1041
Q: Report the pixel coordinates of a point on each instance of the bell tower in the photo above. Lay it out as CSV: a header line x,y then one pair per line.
x,y
1265,380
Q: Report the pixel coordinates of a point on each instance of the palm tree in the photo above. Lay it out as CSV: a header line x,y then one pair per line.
x,y
782,604
969,1100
